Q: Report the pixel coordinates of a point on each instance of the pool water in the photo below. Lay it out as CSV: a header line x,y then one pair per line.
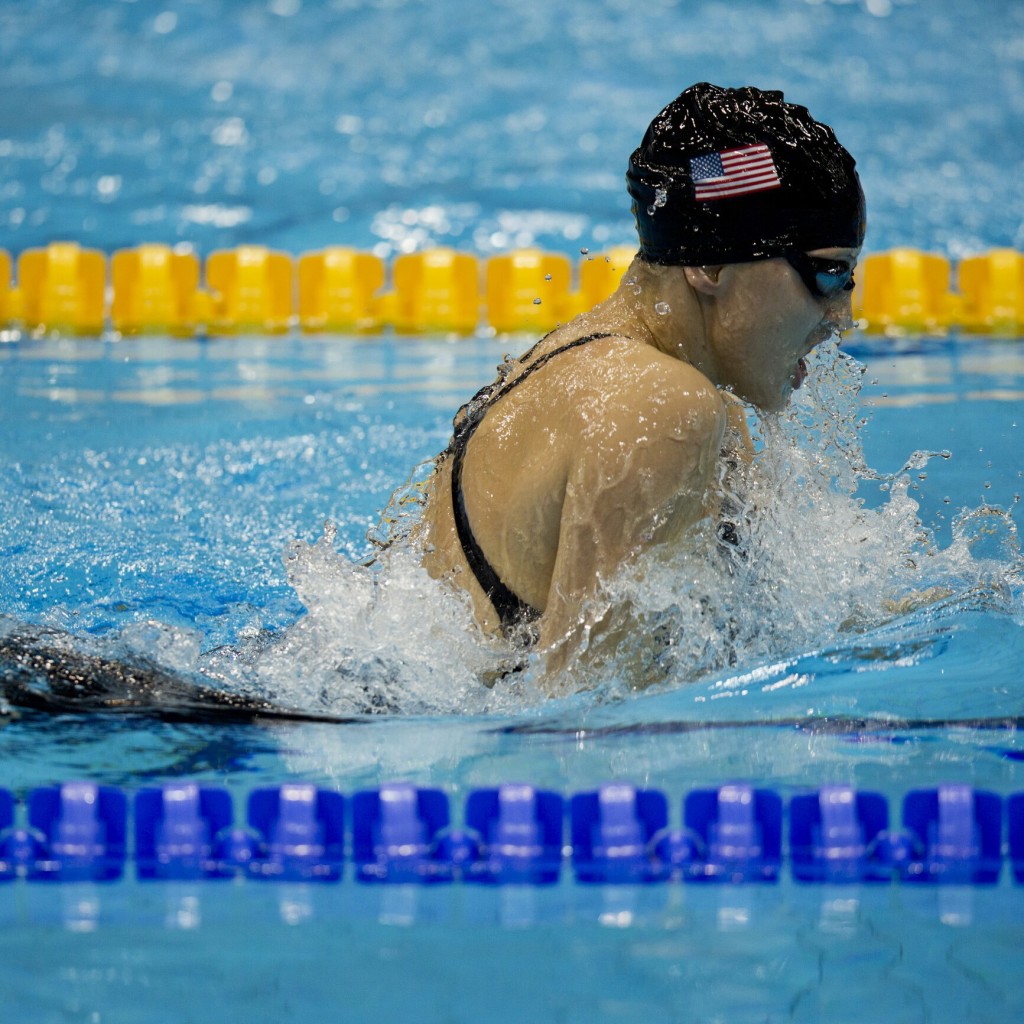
x,y
167,499
263,441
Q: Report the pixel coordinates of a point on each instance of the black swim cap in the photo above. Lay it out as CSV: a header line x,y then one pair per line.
x,y
732,175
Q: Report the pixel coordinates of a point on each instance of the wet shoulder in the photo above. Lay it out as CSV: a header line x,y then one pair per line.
x,y
648,387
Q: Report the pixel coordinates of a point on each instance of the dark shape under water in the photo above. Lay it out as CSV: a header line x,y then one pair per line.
x,y
42,671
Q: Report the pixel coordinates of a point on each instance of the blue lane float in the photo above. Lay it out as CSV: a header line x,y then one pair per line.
x,y
520,831
836,835
960,831
175,828
77,832
1015,834
739,834
398,835
511,834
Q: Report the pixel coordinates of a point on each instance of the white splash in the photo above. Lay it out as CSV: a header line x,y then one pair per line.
x,y
796,558
377,638
803,561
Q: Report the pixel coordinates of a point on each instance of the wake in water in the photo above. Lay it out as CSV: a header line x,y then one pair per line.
x,y
808,567
809,564
813,562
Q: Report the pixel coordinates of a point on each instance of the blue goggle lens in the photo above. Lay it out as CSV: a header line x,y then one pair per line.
x,y
823,277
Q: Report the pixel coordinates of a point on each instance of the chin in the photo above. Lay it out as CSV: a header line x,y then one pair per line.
x,y
774,402
764,397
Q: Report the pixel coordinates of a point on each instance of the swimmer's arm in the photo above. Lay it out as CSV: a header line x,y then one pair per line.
x,y
895,606
736,416
641,480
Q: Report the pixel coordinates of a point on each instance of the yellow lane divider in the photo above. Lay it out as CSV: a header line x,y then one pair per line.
x,y
156,289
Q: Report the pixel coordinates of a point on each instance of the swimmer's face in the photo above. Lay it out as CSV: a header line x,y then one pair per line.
x,y
771,313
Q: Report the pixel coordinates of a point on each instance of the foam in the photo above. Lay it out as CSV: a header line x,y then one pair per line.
x,y
816,565
375,638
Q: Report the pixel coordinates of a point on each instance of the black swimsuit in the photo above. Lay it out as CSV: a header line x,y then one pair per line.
x,y
513,612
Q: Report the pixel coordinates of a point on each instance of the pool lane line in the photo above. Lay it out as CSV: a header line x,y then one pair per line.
x,y
828,725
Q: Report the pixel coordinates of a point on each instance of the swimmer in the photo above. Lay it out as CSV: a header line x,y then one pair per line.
x,y
604,440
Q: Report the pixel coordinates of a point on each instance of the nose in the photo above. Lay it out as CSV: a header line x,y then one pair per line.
x,y
839,311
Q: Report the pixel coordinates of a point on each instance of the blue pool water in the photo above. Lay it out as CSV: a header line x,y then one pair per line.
x,y
153,491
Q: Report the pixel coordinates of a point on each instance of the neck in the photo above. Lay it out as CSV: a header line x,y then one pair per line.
x,y
657,305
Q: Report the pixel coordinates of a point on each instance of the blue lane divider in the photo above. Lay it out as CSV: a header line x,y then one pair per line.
x,y
397,834
1015,836
612,831
520,832
300,833
175,828
739,831
514,833
76,832
961,832
837,835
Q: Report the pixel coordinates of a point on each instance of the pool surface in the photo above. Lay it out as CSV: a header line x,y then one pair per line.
x,y
164,500
264,440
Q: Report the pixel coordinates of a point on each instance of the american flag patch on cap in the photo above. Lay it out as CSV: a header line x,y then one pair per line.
x,y
733,172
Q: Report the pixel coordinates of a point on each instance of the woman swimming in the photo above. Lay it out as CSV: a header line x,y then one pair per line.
x,y
604,440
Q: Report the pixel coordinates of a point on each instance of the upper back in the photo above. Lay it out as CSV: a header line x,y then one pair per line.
x,y
611,420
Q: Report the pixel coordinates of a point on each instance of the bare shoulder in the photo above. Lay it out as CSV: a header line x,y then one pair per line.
x,y
641,464
641,393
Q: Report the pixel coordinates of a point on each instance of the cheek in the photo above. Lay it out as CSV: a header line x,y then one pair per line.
x,y
782,341
785,311
803,327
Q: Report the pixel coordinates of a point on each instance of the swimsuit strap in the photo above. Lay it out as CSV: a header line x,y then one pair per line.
x,y
511,608
513,611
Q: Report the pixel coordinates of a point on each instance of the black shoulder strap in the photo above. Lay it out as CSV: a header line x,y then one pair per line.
x,y
512,610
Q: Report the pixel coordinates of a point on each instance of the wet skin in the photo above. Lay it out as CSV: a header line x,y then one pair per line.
x,y
766,321
613,448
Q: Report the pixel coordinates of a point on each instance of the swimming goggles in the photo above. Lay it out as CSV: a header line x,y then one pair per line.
x,y
825,278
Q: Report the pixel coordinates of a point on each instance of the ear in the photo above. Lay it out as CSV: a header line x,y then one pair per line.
x,y
704,279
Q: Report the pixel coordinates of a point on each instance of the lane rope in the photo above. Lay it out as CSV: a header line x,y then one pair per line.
x,y
513,833
64,288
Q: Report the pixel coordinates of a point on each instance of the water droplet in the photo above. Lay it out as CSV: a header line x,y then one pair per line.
x,y
547,277
584,252
662,308
536,302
